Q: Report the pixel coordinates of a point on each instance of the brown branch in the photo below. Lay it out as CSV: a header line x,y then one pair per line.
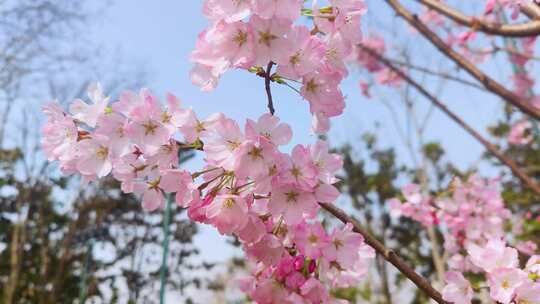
x,y
388,255
531,28
462,62
436,102
267,79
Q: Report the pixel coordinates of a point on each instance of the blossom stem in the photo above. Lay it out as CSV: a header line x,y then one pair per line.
x,y
243,186
388,254
293,88
197,174
204,185
267,79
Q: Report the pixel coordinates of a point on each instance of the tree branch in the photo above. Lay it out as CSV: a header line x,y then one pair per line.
x,y
531,28
462,62
388,255
489,146
267,79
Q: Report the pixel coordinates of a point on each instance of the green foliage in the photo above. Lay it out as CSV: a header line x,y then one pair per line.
x,y
45,235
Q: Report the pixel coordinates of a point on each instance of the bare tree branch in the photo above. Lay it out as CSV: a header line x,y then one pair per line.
x,y
488,82
531,28
489,146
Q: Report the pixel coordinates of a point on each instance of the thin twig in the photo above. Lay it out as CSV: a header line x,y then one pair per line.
x,y
267,79
439,74
293,88
488,82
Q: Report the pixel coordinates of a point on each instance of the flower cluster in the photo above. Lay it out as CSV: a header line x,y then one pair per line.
x,y
416,206
254,35
474,213
474,218
507,282
248,188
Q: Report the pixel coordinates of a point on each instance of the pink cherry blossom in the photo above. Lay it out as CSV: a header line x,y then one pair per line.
x,y
270,42
253,231
89,113
322,92
314,291
495,254
268,250
293,204
327,163
305,58
225,44
503,283
146,129
278,9
59,133
252,158
344,244
205,76
152,195
113,125
457,290
301,171
94,156
228,10
228,213
268,128
528,292
311,239
221,143
180,182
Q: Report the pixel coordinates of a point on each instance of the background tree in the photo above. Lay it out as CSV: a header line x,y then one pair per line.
x,y
62,241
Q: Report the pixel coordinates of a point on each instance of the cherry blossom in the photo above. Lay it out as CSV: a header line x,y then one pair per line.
x,y
248,187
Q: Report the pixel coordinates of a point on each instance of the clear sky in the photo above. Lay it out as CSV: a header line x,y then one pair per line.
x,y
161,34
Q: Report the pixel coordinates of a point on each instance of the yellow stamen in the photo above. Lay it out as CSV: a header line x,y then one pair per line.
x,y
266,38
255,153
291,196
228,203
240,38
102,152
149,128
312,86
